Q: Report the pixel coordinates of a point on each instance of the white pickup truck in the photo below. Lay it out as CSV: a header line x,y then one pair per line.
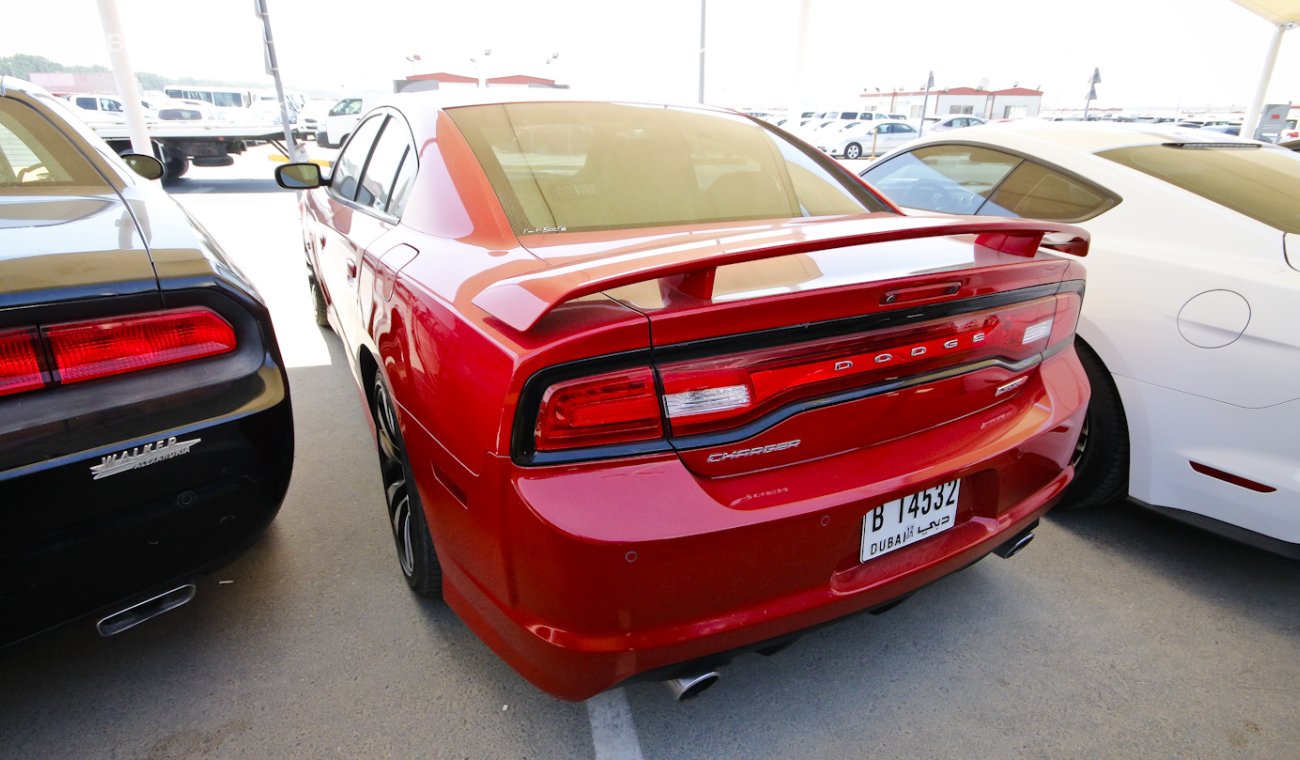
x,y
183,132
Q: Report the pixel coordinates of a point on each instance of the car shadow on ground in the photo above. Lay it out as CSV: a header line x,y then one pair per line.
x,y
232,185
1243,579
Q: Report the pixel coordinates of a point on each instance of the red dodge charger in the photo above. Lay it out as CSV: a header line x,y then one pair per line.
x,y
653,386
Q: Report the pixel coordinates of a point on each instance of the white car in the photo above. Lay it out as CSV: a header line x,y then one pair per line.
x,y
870,138
1191,326
953,121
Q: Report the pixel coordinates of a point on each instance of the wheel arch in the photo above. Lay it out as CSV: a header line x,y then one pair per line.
x,y
368,366
1107,472
1083,343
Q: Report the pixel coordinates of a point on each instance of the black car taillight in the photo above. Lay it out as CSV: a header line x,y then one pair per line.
x,y
93,349
99,348
20,366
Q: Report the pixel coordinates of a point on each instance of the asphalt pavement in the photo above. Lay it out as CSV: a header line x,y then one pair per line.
x,y
1115,634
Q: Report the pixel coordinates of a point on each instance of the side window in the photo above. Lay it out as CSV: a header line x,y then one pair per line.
x,y
37,159
347,172
952,179
110,105
90,104
402,185
1035,191
346,107
385,161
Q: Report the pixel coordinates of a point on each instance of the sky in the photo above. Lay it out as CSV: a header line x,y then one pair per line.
x,y
1151,53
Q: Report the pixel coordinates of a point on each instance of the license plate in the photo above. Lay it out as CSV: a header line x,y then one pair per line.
x,y
904,521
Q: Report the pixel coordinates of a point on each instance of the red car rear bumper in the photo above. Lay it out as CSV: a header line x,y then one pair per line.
x,y
617,569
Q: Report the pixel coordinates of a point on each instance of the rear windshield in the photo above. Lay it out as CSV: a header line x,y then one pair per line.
x,y
560,167
1262,183
36,159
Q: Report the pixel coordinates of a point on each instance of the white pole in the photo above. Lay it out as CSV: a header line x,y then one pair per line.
x,y
125,78
795,114
1249,124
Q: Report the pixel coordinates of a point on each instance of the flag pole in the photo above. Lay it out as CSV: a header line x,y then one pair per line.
x,y
1093,81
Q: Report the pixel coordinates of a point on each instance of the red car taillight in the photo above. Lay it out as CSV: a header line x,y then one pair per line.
x,y
727,392
81,351
707,395
1066,319
616,407
20,369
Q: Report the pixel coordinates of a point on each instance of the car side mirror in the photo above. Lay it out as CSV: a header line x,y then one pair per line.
x,y
146,166
298,176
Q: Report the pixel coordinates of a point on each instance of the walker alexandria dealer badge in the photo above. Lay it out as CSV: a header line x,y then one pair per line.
x,y
142,456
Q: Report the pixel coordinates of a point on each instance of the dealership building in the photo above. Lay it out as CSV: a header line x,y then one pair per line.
x,y
1010,103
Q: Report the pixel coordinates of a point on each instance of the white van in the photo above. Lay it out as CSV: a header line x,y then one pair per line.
x,y
342,118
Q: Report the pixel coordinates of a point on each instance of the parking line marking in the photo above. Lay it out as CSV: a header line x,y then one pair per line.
x,y
612,731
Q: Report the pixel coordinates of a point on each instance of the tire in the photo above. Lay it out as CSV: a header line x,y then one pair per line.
x,y
175,167
318,302
852,151
322,140
416,556
1101,457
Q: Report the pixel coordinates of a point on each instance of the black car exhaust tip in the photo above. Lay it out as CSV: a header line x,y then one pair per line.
x,y
1020,541
132,615
690,687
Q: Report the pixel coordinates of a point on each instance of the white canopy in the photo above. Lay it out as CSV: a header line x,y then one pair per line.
x,y
1285,15
1275,11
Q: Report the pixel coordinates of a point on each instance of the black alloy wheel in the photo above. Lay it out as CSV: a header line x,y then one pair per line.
x,y
415,552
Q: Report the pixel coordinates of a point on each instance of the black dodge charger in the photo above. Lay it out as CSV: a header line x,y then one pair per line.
x,y
145,425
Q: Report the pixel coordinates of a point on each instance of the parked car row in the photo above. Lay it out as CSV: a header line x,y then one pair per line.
x,y
545,300
872,137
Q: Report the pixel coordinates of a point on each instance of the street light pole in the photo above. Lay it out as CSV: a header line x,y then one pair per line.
x,y
925,103
478,67
273,68
703,16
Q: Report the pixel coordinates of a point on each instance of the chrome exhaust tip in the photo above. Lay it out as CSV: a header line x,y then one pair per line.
x,y
1013,547
691,687
134,614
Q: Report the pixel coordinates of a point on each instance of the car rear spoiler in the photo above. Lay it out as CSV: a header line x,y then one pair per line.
x,y
522,300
